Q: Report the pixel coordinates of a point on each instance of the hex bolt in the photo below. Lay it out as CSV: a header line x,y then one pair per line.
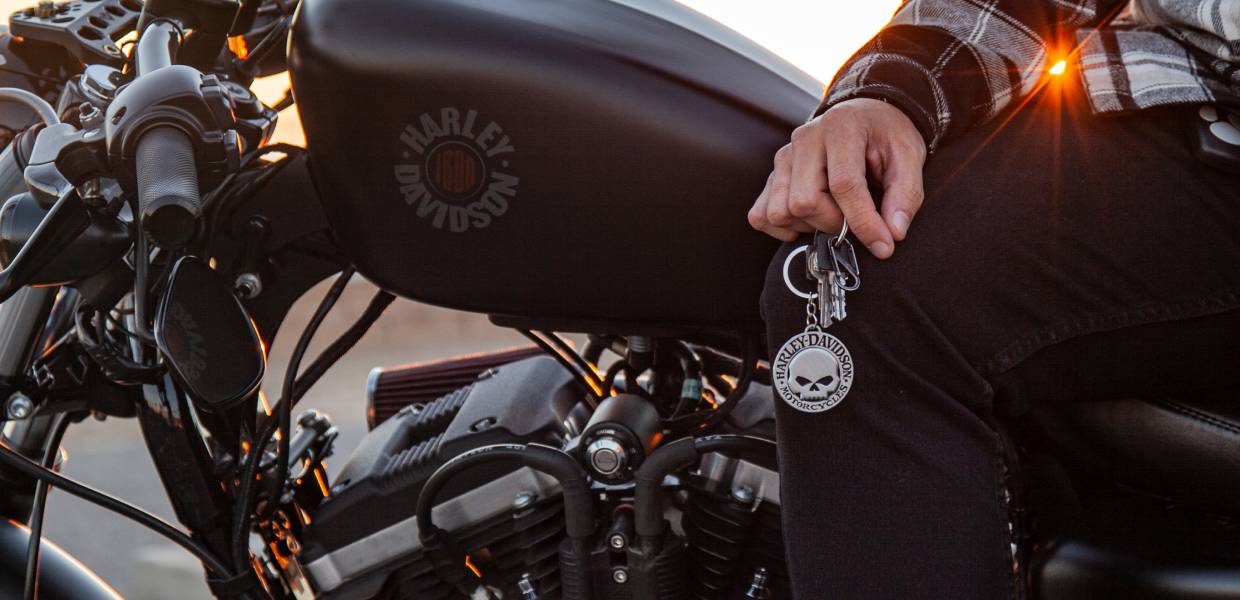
x,y
616,541
90,117
45,9
620,575
248,285
526,587
757,586
89,190
19,406
524,500
743,494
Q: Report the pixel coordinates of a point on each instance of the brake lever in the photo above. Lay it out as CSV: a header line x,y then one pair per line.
x,y
66,220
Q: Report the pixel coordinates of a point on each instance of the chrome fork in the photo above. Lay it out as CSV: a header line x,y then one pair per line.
x,y
21,323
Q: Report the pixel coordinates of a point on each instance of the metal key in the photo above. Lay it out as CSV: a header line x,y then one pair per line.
x,y
833,264
826,296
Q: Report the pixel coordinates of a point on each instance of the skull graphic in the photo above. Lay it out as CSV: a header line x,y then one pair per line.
x,y
814,374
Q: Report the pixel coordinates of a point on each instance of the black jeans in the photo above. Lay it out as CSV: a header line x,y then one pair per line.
x,y
1059,256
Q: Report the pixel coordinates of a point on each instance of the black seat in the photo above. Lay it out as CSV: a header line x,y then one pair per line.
x,y
1138,548
1186,449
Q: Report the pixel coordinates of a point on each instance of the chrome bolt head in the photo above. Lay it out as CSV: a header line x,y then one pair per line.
x,y
524,500
18,407
620,575
616,541
248,285
607,456
743,494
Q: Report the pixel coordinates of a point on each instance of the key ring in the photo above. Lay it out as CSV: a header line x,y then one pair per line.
x,y
788,278
802,250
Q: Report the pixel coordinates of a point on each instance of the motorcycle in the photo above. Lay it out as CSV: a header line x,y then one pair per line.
x,y
562,166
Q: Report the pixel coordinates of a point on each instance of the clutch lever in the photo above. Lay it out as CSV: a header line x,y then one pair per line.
x,y
64,222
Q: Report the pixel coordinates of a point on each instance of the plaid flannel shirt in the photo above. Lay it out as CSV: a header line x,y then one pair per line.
x,y
951,64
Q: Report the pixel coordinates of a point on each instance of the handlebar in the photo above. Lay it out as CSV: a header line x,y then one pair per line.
x,y
169,204
157,46
168,201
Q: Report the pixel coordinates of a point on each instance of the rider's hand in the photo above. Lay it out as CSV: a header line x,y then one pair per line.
x,y
821,176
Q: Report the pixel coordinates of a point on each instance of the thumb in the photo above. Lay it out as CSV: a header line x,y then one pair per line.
x,y
903,192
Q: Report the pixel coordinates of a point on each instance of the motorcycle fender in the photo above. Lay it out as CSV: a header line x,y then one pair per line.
x,y
61,577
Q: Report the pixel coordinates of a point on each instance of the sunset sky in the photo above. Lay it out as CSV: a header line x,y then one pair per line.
x,y
815,35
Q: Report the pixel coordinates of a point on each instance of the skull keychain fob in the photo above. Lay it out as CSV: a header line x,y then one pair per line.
x,y
813,371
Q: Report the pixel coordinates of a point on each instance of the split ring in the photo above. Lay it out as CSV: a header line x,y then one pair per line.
x,y
788,279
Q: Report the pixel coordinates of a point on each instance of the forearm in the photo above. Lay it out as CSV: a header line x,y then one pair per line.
x,y
952,64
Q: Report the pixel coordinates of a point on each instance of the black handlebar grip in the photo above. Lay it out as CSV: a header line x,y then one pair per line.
x,y
168,201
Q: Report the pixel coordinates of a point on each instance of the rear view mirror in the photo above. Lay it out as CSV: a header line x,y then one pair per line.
x,y
207,338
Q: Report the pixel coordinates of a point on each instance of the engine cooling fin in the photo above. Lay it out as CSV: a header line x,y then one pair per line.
x,y
522,543
728,541
389,389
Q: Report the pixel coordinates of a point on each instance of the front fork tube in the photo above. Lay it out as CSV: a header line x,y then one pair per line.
x,y
191,473
21,325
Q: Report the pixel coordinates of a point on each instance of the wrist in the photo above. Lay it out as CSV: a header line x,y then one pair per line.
x,y
912,110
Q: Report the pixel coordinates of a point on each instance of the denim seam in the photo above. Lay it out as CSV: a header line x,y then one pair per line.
x,y
1003,505
1028,344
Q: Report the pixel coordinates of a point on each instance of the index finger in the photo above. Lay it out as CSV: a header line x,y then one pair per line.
x,y
846,182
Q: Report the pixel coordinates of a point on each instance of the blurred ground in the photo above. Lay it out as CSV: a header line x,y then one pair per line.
x,y
111,456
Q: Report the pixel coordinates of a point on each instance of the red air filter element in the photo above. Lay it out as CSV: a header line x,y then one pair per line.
x,y
389,389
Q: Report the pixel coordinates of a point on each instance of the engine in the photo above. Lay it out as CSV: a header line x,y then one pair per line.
x,y
714,534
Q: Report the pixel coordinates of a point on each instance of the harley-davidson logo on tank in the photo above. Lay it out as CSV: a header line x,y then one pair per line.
x,y
454,169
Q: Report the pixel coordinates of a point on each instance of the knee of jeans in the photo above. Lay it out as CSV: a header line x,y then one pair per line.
x,y
891,291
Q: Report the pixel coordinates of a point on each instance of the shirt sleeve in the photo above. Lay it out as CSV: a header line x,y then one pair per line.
x,y
952,64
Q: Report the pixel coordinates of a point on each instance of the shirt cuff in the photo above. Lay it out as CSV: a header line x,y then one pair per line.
x,y
898,81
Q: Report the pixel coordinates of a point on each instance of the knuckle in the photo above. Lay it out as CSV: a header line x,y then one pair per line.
x,y
908,197
912,147
916,197
804,205
757,218
801,134
779,189
778,216
867,228
844,186
783,156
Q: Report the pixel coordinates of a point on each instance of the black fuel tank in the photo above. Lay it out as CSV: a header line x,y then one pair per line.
x,y
573,161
